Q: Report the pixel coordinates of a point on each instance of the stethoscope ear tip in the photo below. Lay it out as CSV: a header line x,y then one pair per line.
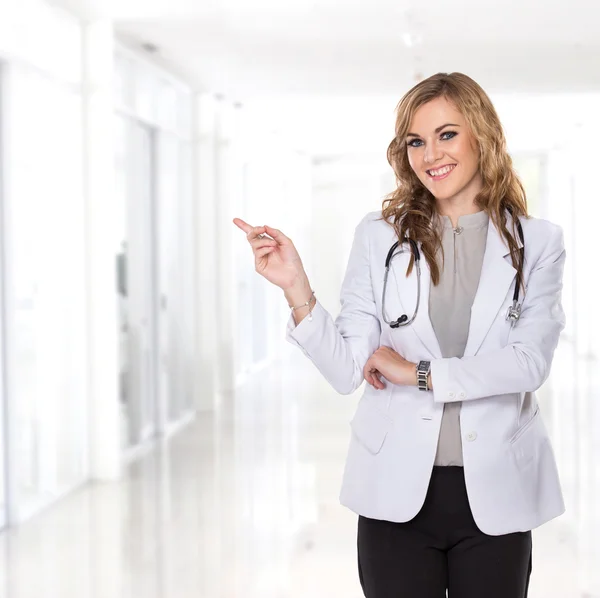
x,y
399,321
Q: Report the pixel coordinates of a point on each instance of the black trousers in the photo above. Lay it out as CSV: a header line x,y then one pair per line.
x,y
441,549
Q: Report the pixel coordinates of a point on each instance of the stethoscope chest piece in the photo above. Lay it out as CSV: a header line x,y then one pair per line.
x,y
514,313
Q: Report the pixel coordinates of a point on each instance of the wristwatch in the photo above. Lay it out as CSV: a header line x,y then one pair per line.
x,y
423,369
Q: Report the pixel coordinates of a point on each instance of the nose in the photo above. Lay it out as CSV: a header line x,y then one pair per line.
x,y
432,153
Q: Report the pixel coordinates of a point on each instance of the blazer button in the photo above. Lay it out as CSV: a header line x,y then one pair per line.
x,y
471,436
451,395
462,395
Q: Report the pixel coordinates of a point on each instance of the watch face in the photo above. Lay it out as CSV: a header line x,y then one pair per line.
x,y
423,365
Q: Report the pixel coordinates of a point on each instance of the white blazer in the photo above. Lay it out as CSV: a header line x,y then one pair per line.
x,y
510,470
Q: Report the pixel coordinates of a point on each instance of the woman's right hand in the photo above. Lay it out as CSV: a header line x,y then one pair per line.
x,y
275,257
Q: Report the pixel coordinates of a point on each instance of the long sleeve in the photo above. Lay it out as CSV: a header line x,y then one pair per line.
x,y
340,349
524,364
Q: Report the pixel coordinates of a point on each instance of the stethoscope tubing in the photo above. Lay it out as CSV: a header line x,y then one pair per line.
x,y
514,312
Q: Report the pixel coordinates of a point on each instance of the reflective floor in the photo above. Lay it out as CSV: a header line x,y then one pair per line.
x,y
240,505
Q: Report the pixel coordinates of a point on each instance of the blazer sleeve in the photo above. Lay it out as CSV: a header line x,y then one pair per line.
x,y
523,365
340,349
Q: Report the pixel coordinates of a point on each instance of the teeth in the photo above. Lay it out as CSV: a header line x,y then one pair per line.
x,y
441,171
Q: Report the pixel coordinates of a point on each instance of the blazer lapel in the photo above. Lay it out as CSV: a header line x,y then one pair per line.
x,y
406,290
497,274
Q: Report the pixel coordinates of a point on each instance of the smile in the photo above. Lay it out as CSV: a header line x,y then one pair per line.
x,y
441,173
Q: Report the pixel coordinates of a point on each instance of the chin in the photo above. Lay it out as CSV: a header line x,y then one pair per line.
x,y
444,196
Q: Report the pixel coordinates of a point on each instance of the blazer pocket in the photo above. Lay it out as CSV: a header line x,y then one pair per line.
x,y
525,440
370,426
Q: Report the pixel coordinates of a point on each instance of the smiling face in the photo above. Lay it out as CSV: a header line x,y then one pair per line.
x,y
443,152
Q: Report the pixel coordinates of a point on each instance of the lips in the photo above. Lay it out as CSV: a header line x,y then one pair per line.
x,y
437,174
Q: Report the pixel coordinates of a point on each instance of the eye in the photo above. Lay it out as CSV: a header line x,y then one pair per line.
x,y
414,143
451,134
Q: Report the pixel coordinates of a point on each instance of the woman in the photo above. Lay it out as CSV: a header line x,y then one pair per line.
x,y
449,466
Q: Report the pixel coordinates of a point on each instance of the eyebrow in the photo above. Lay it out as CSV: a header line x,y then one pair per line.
x,y
437,130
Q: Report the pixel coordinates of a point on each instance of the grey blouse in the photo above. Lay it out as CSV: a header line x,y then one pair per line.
x,y
460,259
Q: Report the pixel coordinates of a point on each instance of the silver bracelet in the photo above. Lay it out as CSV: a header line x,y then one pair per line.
x,y
307,304
304,304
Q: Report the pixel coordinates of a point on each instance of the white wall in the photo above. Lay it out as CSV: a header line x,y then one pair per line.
x,y
44,250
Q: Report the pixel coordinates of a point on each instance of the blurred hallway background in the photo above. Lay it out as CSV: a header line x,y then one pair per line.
x,y
158,436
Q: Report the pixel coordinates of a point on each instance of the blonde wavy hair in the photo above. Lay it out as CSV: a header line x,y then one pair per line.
x,y
411,207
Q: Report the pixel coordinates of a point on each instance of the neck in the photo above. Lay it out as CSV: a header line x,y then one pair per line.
x,y
463,202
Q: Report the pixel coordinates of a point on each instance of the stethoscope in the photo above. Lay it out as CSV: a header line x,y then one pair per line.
x,y
514,311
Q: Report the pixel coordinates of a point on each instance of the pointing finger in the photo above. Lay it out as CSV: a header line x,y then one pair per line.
x,y
243,225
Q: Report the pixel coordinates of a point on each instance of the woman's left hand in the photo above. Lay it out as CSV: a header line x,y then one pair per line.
x,y
386,363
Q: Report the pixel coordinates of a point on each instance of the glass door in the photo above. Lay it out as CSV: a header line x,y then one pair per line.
x,y
136,294
175,277
140,232
168,161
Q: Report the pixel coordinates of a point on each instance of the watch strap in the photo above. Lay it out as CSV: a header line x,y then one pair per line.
x,y
423,369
